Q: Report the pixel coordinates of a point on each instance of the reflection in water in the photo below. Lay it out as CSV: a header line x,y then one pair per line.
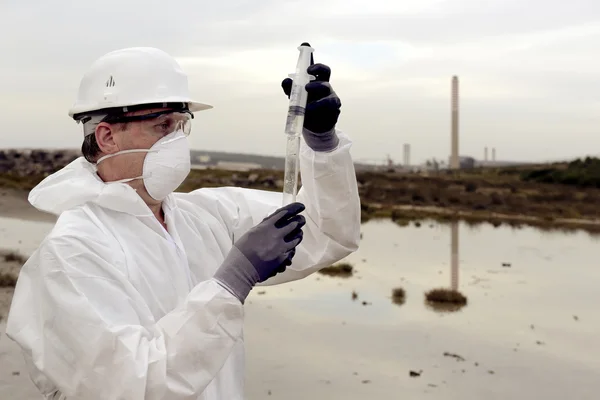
x,y
454,256
448,300
444,307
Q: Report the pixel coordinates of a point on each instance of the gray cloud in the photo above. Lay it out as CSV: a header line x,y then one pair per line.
x,y
528,70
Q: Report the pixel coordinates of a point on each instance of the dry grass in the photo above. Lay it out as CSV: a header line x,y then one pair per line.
x,y
398,296
7,280
446,296
14,257
490,196
341,270
496,196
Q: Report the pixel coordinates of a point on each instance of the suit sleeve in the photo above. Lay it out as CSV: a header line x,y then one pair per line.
x,y
330,193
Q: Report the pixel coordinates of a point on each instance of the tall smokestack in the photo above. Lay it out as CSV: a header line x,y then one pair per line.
x,y
454,161
485,154
406,154
494,154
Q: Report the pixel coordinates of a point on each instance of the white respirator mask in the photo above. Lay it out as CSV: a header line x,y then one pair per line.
x,y
166,165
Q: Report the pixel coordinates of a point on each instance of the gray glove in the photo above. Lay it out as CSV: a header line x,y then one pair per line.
x,y
263,251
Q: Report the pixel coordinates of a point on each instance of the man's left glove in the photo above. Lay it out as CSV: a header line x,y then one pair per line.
x,y
322,109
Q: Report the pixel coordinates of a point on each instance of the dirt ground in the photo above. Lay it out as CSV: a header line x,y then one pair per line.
x,y
14,204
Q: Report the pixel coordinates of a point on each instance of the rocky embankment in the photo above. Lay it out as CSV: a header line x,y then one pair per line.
x,y
34,162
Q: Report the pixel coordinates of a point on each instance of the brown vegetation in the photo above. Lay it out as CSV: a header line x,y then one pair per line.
x,y
342,270
448,296
7,280
14,257
398,296
561,195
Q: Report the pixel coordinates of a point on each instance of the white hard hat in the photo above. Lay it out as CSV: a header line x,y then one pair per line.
x,y
133,77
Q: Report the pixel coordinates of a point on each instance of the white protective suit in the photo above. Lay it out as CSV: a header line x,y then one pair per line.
x,y
112,306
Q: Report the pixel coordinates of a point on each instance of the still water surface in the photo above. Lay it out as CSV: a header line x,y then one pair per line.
x,y
530,330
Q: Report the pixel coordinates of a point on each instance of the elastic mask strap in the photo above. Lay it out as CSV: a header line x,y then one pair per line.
x,y
126,180
131,179
124,152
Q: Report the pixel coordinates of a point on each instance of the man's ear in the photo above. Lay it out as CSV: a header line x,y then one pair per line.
x,y
106,139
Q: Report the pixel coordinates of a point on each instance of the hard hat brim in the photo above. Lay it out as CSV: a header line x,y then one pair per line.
x,y
83,109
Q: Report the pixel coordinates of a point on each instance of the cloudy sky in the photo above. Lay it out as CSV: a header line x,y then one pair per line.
x,y
529,70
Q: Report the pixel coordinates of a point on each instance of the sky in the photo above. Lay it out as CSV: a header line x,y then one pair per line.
x,y
529,71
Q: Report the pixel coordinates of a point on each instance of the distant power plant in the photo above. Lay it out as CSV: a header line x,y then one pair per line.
x,y
454,157
455,161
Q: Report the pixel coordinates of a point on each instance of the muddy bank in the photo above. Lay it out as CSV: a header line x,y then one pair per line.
x,y
14,204
465,196
496,196
405,214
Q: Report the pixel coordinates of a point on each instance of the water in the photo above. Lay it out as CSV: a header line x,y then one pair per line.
x,y
21,235
529,331
322,344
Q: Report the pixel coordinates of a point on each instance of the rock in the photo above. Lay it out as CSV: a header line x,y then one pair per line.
x,y
414,374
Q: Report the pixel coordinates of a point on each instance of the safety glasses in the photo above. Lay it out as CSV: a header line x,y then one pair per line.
x,y
161,122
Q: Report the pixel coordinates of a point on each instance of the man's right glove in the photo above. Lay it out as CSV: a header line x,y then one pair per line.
x,y
263,251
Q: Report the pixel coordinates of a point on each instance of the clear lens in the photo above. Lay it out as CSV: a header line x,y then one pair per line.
x,y
169,123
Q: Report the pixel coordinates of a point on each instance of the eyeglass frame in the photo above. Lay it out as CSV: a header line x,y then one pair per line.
x,y
120,118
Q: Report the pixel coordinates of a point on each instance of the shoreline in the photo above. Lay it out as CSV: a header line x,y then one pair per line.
x,y
404,214
14,204
548,196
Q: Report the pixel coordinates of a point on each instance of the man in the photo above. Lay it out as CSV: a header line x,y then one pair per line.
x,y
138,292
